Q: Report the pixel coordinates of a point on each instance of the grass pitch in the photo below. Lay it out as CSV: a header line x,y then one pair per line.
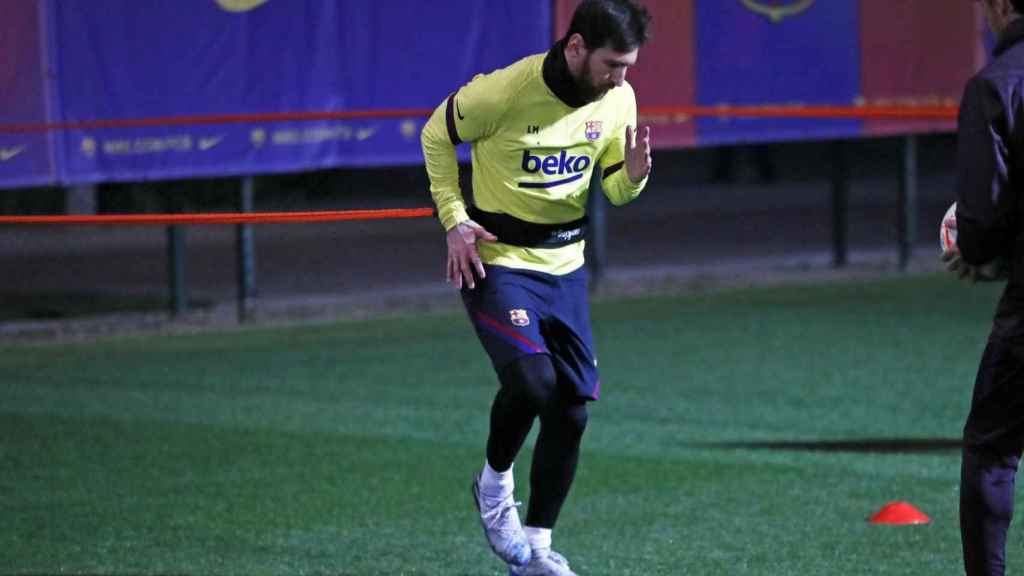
x,y
747,432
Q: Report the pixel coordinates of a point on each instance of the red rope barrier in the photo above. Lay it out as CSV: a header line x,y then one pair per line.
x,y
796,111
214,119
224,217
823,112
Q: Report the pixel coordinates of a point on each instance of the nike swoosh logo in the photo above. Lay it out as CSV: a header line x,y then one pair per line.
x,y
207,143
365,134
551,184
8,153
459,111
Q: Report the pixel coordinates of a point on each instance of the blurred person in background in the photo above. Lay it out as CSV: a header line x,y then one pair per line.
x,y
989,214
538,129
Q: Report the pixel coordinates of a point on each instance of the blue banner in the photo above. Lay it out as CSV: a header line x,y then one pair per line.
x,y
125,90
773,52
231,65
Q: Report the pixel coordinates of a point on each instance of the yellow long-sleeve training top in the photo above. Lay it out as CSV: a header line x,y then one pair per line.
x,y
532,157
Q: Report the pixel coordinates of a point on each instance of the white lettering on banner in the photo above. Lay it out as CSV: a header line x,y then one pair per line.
x,y
312,135
147,145
284,137
89,146
9,153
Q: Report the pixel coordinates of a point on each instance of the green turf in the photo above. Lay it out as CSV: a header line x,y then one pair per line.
x,y
747,432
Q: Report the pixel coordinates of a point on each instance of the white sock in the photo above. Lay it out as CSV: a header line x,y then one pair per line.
x,y
494,484
539,538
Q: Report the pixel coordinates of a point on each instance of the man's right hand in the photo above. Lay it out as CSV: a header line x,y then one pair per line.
x,y
462,255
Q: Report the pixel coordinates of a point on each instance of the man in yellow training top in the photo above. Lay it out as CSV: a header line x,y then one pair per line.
x,y
538,129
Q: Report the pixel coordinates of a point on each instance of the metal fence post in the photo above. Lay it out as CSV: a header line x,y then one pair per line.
x,y
176,270
245,252
908,201
840,201
597,230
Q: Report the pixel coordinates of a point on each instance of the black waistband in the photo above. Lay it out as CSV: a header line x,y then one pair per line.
x,y
512,230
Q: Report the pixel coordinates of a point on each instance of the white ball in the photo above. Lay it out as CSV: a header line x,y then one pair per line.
x,y
947,231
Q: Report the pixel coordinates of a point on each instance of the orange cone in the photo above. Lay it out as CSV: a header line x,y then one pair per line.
x,y
899,513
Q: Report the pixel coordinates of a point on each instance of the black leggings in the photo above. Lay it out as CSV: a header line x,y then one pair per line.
x,y
530,388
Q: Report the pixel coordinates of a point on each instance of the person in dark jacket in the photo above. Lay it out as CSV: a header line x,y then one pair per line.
x,y
990,168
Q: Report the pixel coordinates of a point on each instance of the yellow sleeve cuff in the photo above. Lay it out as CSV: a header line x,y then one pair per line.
x,y
620,189
452,215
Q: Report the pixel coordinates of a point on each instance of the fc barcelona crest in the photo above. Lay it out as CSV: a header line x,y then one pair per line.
x,y
776,10
593,130
518,317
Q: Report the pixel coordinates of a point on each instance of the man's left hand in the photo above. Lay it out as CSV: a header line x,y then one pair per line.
x,y
638,154
955,264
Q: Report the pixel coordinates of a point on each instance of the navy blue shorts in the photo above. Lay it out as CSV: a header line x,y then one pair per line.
x,y
517,313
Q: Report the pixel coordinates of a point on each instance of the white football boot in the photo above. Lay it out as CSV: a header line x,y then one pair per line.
x,y
500,520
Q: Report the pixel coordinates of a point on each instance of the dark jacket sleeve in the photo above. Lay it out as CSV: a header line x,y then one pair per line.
x,y
985,200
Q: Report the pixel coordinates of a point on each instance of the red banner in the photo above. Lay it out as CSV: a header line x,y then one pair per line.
x,y
25,159
665,71
915,54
